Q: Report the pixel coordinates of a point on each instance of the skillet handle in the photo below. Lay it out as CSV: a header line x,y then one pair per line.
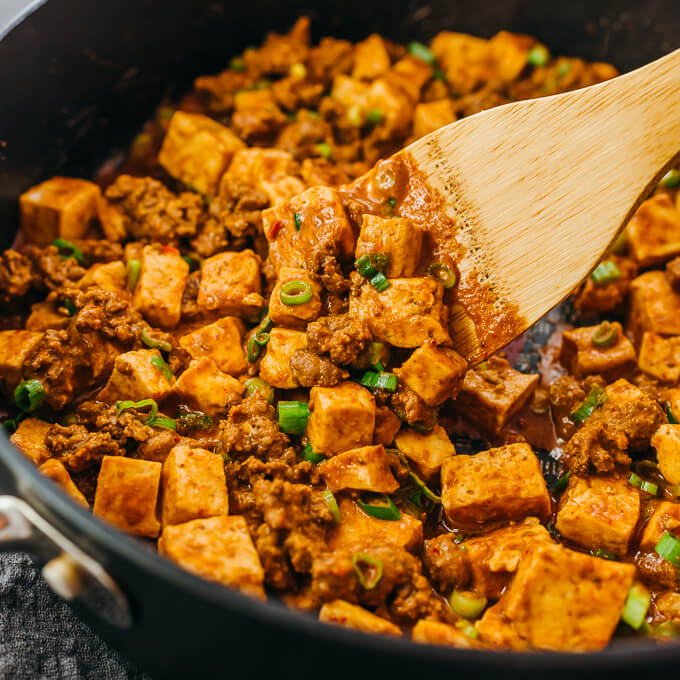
x,y
70,573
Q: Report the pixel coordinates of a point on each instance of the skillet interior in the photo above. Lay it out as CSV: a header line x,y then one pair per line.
x,y
72,95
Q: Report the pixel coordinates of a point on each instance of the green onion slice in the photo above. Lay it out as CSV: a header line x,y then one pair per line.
x,y
374,116
417,49
649,487
154,343
265,323
162,421
671,179
669,548
605,335
369,570
258,385
254,348
467,629
332,505
293,416
442,274
194,420
392,202
635,480
595,399
604,554
425,427
295,293
370,264
11,424
69,250
466,604
124,405
70,307
29,394
669,414
237,64
605,272
134,267
163,367
562,482
379,381
308,453
324,150
538,55
380,282
297,221
636,606
381,508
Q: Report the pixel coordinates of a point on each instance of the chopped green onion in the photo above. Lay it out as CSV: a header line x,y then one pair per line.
x,y
417,49
423,427
374,116
378,353
443,274
636,606
293,416
308,453
11,424
439,74
368,265
604,554
595,399
162,421
193,265
466,604
605,335
605,272
669,548
194,420
297,221
332,506
392,202
562,482
68,250
380,282
379,366
134,267
258,385
635,480
426,491
124,405
70,307
563,69
649,487
153,343
538,55
381,508
253,350
669,414
265,322
417,499
371,564
467,629
237,64
324,150
379,381
295,293
671,179
29,394
163,367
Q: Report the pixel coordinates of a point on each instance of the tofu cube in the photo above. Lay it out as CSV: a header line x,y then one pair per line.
x,y
275,365
395,104
54,469
465,60
660,357
371,58
29,438
553,576
653,233
409,74
110,276
135,377
357,530
44,315
409,313
397,237
127,494
496,630
666,517
349,91
158,293
363,469
581,357
654,306
15,347
666,441
231,284
504,483
493,392
61,207
294,315
206,388
342,613
387,424
494,558
193,485
221,342
219,549
426,450
342,417
509,52
599,512
438,633
197,150
434,373
430,116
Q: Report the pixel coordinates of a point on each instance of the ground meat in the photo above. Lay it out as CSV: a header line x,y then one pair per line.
x,y
126,427
258,125
269,545
311,370
411,408
79,449
416,600
99,250
341,337
52,269
673,273
293,93
668,606
251,430
323,266
300,137
656,571
190,307
445,562
158,446
330,58
152,212
17,277
218,91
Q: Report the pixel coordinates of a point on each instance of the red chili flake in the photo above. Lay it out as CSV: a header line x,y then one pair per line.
x,y
274,229
169,249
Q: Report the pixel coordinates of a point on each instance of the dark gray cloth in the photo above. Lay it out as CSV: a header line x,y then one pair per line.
x,y
42,639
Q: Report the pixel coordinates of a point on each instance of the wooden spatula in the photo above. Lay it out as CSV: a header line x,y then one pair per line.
x,y
526,198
